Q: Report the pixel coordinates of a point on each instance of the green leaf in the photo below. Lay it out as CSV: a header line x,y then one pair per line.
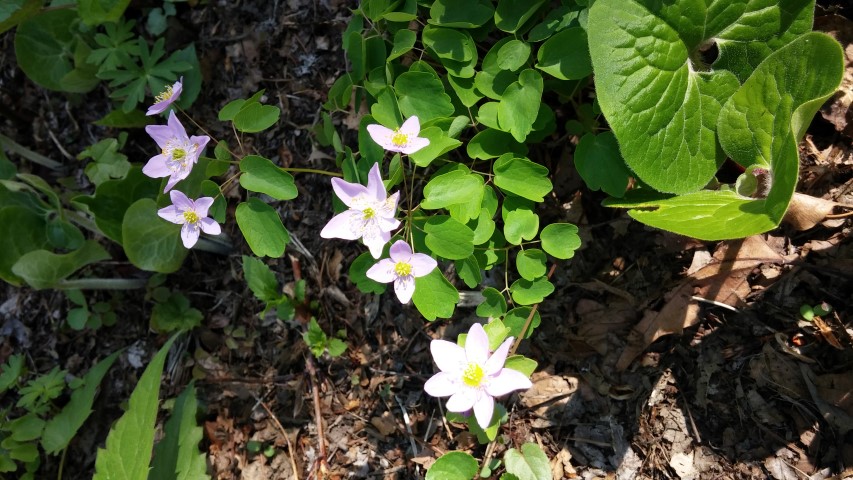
x,y
122,119
468,270
460,13
556,20
434,296
255,118
358,274
11,372
60,429
175,313
566,55
451,188
491,143
113,198
177,456
448,43
262,176
107,162
453,465
492,80
513,55
29,235
261,280
262,228
522,364
465,90
449,238
511,14
520,224
439,144
44,269
522,177
64,235
485,227
526,292
404,40
131,440
96,12
14,12
530,463
560,240
530,263
44,46
600,164
520,103
150,242
493,305
422,94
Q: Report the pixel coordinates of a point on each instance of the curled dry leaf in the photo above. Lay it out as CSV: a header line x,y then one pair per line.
x,y
805,211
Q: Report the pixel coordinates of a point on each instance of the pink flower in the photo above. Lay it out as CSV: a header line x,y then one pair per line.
x,y
370,215
178,152
192,215
166,98
402,269
471,377
404,139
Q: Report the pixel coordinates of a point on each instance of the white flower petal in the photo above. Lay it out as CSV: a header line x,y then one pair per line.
x,y
382,271
463,400
202,205
477,345
508,380
375,187
400,251
181,201
172,214
411,127
441,385
189,234
449,356
347,191
484,408
381,135
404,287
422,264
342,226
414,144
209,226
496,362
156,167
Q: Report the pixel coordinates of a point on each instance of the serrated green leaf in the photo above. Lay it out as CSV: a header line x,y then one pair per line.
x,y
449,238
150,242
262,228
522,177
44,269
131,440
175,313
560,240
176,456
565,55
262,176
62,427
434,296
530,463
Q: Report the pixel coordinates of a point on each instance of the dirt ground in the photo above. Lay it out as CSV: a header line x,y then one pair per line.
x,y
749,390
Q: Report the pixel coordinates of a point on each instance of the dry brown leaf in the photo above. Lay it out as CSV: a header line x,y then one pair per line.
x,y
837,389
597,321
550,398
805,211
724,280
837,111
386,424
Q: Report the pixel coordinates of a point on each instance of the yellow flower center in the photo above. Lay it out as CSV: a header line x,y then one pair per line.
x,y
190,216
400,139
369,213
165,95
473,375
403,269
179,154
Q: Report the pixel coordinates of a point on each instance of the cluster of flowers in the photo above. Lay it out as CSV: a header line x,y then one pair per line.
x,y
371,215
178,154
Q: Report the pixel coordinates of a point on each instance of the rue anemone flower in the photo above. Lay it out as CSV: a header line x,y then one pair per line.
x,y
402,269
404,139
471,376
370,215
192,215
178,152
166,98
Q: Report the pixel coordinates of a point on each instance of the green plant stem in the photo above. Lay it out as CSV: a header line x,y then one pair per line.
x,y
61,463
82,221
312,170
102,284
529,318
29,154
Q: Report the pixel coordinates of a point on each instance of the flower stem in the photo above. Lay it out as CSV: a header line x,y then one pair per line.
x,y
102,284
311,170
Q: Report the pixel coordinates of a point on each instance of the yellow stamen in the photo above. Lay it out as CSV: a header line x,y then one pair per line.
x,y
473,375
403,269
165,95
191,217
369,213
399,139
179,154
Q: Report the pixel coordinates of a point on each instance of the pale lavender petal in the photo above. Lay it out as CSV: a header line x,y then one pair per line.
x,y
508,380
177,88
463,400
404,287
200,142
484,408
411,127
189,234
387,225
375,188
382,271
422,264
341,226
441,385
209,226
496,362
346,191
389,207
176,127
181,201
156,167
162,105
173,180
158,107
449,356
202,205
477,345
160,133
375,242
381,135
400,251
414,144
172,214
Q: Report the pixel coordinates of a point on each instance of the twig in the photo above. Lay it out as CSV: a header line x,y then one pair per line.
x,y
286,438
318,416
408,426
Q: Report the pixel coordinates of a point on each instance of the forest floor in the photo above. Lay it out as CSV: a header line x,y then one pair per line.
x,y
659,356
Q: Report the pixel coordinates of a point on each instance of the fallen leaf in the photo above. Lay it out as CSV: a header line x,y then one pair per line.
x,y
386,425
837,111
805,211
